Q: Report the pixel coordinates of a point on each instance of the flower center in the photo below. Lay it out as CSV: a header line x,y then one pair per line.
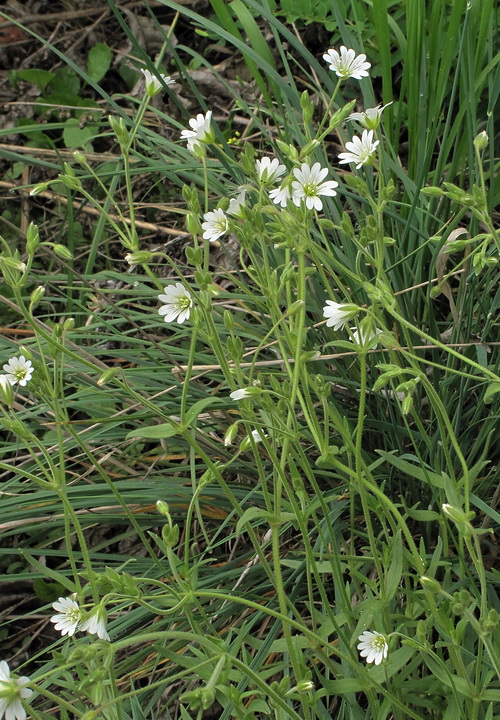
x,y
378,642
310,189
183,302
19,373
74,615
9,690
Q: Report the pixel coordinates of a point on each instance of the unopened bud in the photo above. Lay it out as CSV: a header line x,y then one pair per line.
x,y
120,129
62,252
309,148
70,181
430,584
39,188
107,376
162,508
37,295
230,435
32,238
481,140
305,686
6,391
139,257
13,263
295,307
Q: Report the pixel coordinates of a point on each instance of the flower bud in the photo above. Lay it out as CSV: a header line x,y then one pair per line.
x,y
107,376
139,257
432,191
162,508
309,148
6,391
481,141
70,181
120,129
13,263
230,435
32,238
36,296
430,584
62,252
305,686
39,188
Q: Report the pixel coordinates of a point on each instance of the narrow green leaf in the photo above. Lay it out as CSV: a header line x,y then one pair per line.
x,y
155,432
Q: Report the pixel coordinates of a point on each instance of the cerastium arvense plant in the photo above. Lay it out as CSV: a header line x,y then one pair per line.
x,y
337,593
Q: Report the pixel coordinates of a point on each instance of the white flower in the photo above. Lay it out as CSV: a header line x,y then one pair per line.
x,y
337,315
370,118
373,646
201,131
12,691
215,225
280,196
153,83
178,303
269,170
69,615
360,149
235,204
360,337
240,394
96,623
18,370
347,64
309,186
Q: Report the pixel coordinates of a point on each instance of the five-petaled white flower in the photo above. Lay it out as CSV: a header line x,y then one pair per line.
x,y
240,394
337,315
370,118
153,83
69,615
373,646
19,370
201,131
178,303
215,225
237,203
309,185
12,692
361,149
347,64
95,624
269,170
280,196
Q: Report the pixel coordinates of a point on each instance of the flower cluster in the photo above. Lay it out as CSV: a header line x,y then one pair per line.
x,y
70,618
